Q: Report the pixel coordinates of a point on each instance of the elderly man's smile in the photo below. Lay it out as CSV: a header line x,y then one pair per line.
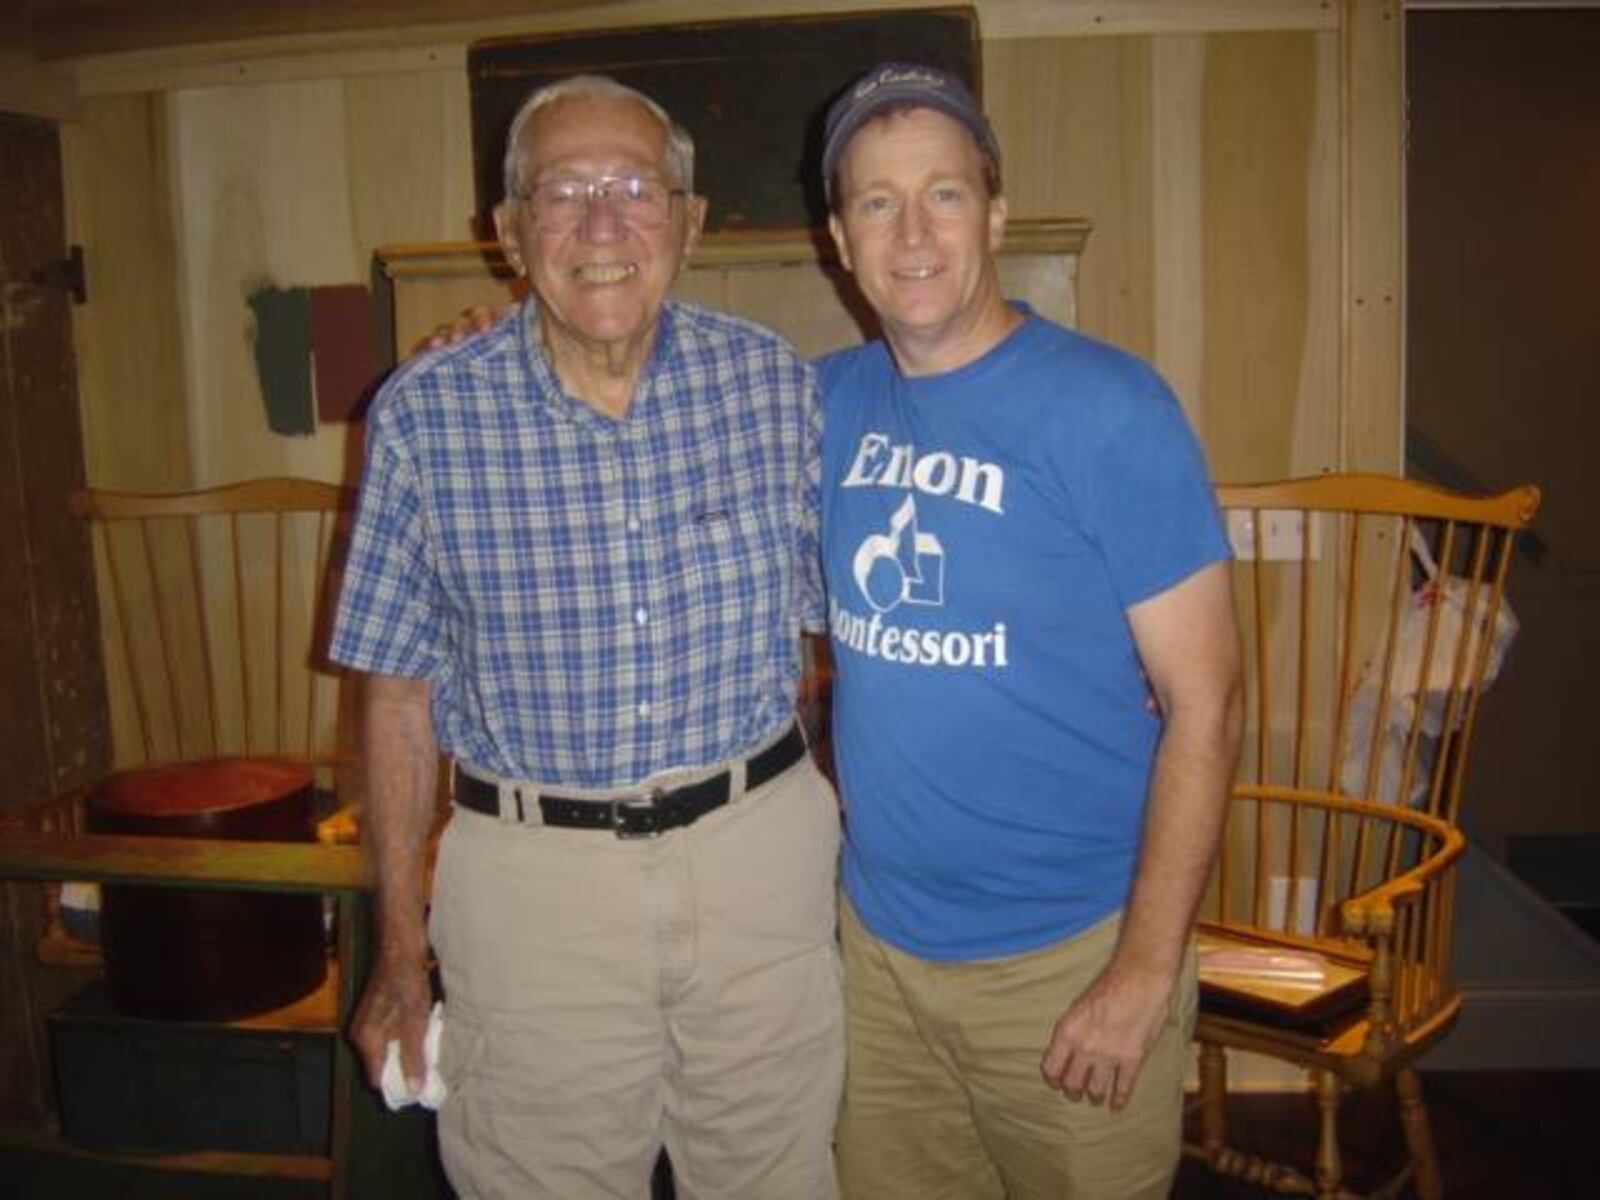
x,y
600,274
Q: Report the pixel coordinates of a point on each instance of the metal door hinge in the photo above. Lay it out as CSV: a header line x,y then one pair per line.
x,y
67,274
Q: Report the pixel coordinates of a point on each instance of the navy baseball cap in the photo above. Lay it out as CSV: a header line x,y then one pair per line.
x,y
899,85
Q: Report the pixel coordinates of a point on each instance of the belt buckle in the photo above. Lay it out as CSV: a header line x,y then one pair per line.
x,y
647,803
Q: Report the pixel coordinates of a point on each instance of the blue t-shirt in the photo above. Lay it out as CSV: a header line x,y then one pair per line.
x,y
984,532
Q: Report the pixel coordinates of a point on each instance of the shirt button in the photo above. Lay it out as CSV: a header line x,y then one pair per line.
x,y
640,616
644,709
633,524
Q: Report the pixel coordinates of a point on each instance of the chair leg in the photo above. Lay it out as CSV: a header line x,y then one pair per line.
x,y
1329,1171
1213,1098
1419,1135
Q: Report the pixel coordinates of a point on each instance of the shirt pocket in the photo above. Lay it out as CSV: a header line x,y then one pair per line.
x,y
738,569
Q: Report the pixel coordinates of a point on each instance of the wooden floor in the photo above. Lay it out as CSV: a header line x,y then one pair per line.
x,y
1501,1135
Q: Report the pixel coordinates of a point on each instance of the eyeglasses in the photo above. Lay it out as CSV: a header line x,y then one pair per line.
x,y
559,204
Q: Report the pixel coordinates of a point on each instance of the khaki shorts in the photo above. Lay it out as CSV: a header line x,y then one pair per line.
x,y
607,997
943,1096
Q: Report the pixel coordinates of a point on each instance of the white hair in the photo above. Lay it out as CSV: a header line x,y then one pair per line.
x,y
679,157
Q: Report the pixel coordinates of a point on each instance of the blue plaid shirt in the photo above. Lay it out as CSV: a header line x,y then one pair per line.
x,y
593,600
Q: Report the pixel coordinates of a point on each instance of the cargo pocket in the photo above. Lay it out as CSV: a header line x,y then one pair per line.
x,y
460,1051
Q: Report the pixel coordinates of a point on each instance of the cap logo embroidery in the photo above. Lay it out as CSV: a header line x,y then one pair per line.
x,y
891,75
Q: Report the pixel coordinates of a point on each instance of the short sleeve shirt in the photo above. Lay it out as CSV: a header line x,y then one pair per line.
x,y
985,532
593,600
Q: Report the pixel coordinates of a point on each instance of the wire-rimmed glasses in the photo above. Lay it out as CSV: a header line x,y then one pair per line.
x,y
638,200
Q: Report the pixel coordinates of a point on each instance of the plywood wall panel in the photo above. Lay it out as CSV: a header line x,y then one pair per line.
x,y
1206,165
409,143
1259,111
292,185
127,339
261,189
1072,115
1177,89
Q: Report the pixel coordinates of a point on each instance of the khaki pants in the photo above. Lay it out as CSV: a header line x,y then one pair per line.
x,y
944,1100
606,997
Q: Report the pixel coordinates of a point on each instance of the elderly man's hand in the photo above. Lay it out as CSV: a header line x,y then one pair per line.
x,y
480,318
394,1007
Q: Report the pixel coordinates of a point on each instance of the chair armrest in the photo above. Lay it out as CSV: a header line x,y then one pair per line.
x,y
1371,914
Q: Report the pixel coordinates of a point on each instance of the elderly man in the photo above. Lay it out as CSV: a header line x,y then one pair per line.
x,y
1036,706
585,547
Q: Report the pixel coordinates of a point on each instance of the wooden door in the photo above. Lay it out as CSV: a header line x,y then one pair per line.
x,y
53,724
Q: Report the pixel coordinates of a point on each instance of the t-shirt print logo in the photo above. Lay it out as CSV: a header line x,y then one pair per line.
x,y
903,566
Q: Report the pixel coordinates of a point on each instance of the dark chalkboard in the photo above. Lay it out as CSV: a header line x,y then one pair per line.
x,y
753,94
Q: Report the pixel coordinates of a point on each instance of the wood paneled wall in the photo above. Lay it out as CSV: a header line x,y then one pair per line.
x,y
1204,165
131,382
294,184
1241,181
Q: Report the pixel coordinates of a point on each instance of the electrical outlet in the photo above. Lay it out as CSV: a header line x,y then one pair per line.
x,y
1305,904
1282,534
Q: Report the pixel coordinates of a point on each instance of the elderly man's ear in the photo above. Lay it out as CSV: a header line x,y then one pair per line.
x,y
695,207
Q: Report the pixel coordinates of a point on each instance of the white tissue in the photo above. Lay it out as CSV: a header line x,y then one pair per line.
x,y
395,1092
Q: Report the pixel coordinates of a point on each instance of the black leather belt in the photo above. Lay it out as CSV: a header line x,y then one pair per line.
x,y
644,814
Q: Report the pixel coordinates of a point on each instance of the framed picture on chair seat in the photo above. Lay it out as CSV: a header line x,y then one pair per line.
x,y
1292,986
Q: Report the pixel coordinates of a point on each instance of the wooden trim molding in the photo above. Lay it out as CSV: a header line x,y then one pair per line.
x,y
738,248
142,47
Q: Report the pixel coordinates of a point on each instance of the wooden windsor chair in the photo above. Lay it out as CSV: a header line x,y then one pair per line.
x,y
214,606
1326,930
